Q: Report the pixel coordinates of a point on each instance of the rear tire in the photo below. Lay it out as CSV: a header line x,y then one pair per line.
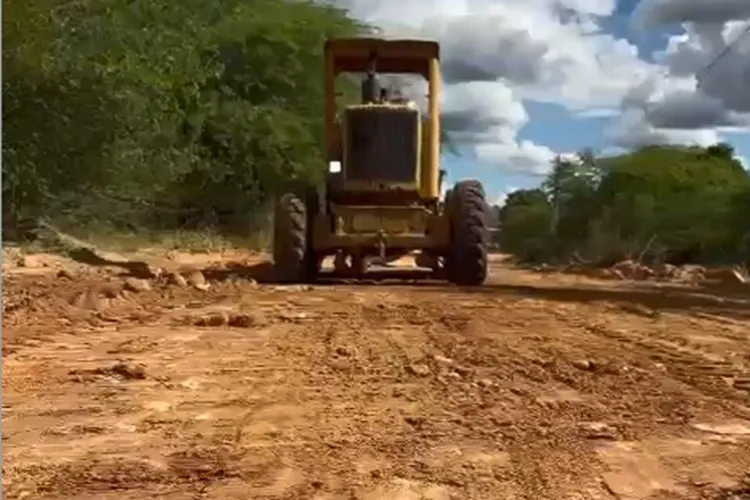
x,y
294,261
448,211
448,200
467,210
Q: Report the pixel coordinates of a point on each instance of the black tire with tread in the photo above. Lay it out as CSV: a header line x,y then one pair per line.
x,y
468,218
448,212
293,260
448,199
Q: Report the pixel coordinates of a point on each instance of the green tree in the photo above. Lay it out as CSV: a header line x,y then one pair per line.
x,y
661,203
679,197
571,187
128,113
524,222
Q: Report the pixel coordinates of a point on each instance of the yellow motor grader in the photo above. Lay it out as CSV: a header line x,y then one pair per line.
x,y
381,196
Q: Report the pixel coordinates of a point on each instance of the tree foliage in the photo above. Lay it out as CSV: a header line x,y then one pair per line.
x,y
665,203
149,112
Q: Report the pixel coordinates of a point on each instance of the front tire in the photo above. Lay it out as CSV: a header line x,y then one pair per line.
x,y
294,262
468,216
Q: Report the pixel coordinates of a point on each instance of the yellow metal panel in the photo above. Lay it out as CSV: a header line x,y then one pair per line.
x,y
425,159
371,222
430,187
361,47
373,219
352,55
427,230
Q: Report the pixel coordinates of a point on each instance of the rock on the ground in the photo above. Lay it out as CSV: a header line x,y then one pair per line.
x,y
443,360
725,428
485,382
344,351
690,274
598,430
97,297
176,279
740,274
137,285
668,271
198,281
129,371
419,369
292,316
632,270
582,364
246,320
291,288
64,273
218,318
88,254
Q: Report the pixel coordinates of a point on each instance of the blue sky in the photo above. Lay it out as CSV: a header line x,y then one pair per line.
x,y
562,130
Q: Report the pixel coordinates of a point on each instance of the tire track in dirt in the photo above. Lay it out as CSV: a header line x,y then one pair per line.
x,y
373,393
516,393
609,398
434,441
699,364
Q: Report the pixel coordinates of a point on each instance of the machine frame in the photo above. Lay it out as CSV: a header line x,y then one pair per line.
x,y
355,219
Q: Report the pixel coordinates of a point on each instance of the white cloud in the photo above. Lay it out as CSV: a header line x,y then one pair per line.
x,y
597,113
516,156
692,110
633,130
476,110
498,53
502,196
488,115
702,90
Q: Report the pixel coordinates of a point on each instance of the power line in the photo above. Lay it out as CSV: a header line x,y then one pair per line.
x,y
728,48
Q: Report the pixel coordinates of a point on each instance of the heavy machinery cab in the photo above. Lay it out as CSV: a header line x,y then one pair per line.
x,y
382,147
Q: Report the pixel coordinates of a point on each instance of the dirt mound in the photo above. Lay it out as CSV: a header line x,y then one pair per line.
x,y
693,275
61,249
98,279
631,270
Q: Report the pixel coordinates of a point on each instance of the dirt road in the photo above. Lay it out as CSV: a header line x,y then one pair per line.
x,y
533,387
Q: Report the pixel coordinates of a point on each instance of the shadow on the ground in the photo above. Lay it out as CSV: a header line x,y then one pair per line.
x,y
706,300
718,299
262,272
739,492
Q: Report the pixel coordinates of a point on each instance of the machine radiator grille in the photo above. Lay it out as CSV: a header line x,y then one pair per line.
x,y
382,144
